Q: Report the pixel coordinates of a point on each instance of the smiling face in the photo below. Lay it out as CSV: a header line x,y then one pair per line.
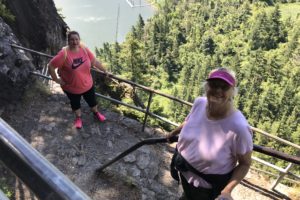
x,y
218,92
74,41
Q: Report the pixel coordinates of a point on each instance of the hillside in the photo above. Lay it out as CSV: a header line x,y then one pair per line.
x,y
259,40
172,53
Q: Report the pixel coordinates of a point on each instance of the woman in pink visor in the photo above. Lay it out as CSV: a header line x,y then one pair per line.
x,y
214,148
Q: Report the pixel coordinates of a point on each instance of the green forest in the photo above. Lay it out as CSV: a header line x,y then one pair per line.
x,y
174,51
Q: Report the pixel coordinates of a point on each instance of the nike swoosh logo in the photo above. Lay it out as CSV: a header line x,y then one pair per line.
x,y
74,66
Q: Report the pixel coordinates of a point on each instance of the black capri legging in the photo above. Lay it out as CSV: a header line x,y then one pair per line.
x,y
89,97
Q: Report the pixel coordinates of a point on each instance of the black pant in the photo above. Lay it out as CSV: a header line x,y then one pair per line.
x,y
195,193
89,97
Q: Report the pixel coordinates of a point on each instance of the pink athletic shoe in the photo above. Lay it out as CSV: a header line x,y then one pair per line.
x,y
100,117
78,123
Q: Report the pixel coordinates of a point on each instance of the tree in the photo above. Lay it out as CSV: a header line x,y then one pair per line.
x,y
259,34
131,57
277,31
140,28
178,46
208,45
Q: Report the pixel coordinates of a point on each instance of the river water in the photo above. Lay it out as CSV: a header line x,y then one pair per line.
x,y
98,21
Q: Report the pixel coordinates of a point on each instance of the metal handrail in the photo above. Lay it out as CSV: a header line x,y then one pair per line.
x,y
145,88
31,51
272,174
282,172
276,138
261,149
147,111
46,181
119,102
115,77
266,151
280,155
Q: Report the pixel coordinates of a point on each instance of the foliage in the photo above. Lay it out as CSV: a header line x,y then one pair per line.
x,y
5,13
7,191
6,185
176,48
59,11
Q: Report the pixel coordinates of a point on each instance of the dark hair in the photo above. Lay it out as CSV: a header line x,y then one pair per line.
x,y
72,33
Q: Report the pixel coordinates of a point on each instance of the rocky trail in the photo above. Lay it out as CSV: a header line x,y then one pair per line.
x,y
45,120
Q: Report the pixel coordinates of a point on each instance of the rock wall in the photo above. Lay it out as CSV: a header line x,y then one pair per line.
x,y
37,26
15,67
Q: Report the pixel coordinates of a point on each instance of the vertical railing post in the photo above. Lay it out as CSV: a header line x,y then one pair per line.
x,y
147,110
281,175
46,74
36,60
44,70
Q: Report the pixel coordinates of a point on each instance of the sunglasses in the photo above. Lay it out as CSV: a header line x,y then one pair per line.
x,y
216,84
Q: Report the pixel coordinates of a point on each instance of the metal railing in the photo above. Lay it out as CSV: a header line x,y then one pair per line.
x,y
151,93
147,112
46,181
282,172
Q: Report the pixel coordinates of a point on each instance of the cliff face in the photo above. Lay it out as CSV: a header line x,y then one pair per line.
x,y
37,26
14,67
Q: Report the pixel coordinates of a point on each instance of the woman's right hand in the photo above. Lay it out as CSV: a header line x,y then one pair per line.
x,y
171,137
168,136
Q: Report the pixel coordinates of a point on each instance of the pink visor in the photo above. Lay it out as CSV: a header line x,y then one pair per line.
x,y
225,76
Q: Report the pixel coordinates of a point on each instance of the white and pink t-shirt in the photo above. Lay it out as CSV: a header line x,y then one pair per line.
x,y
75,69
212,146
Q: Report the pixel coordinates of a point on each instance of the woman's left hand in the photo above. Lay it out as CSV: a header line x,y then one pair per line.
x,y
224,196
